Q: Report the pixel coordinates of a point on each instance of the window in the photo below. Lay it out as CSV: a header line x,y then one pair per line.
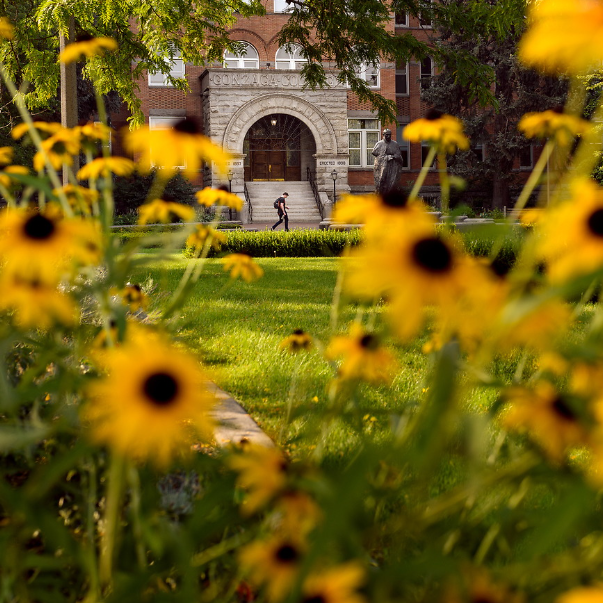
x,y
425,148
369,72
249,59
404,146
401,19
425,17
163,123
290,60
281,6
363,135
402,78
526,158
478,151
426,72
177,70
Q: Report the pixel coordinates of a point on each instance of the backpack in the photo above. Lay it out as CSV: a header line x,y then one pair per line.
x,y
277,202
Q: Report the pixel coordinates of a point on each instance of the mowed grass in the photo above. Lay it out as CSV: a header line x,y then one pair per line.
x,y
236,329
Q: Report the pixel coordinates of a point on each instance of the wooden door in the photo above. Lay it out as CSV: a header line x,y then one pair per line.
x,y
268,164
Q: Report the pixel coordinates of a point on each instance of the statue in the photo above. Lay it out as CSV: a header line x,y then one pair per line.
x,y
388,163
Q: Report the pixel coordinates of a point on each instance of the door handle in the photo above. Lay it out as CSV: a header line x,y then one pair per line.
x,y
269,167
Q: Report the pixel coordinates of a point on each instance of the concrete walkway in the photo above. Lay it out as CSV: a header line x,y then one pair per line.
x,y
292,225
234,424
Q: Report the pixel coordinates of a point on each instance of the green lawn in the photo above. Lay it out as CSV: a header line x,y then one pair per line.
x,y
236,329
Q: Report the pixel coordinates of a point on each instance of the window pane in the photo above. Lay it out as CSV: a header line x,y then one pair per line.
x,y
401,87
282,64
402,19
250,64
300,64
371,124
354,156
354,124
354,140
372,138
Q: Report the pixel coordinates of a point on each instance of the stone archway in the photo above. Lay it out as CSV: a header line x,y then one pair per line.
x,y
289,104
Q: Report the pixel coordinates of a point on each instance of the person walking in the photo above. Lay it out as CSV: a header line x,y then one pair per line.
x,y
282,212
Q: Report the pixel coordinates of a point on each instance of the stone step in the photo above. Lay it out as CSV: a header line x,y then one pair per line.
x,y
301,202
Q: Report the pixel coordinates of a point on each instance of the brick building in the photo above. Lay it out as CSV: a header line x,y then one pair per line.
x,y
256,107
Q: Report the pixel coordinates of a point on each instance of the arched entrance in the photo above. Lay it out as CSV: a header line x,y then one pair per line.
x,y
278,147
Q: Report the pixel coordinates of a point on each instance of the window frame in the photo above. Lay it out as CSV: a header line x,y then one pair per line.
x,y
425,80
291,58
404,72
363,149
403,144
287,8
425,147
362,74
242,58
527,167
175,73
407,20
423,23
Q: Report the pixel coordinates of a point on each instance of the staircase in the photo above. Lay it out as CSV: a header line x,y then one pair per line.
x,y
301,203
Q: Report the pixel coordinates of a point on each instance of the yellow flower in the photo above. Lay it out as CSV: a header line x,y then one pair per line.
x,y
103,167
60,148
582,594
571,234
43,127
42,246
6,179
296,514
553,124
337,585
563,36
441,130
363,356
80,198
88,48
7,31
93,132
6,155
274,563
181,145
297,341
133,297
160,211
240,264
200,235
152,403
35,304
262,473
547,415
218,196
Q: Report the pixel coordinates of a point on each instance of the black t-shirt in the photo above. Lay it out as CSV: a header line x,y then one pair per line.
x,y
281,204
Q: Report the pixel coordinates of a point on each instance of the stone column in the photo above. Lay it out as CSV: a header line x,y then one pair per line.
x,y
68,91
325,164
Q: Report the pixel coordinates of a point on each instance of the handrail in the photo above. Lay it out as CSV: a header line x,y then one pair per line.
x,y
248,201
312,182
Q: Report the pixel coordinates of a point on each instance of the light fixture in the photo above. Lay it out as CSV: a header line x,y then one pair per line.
x,y
273,121
334,176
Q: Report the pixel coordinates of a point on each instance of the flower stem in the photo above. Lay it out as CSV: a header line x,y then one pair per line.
x,y
444,183
423,174
535,175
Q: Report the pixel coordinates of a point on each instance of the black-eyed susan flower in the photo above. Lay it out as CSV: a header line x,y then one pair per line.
x,y
337,585
242,265
553,124
42,246
363,356
6,175
296,342
582,594
571,234
152,402
262,473
160,211
296,514
7,31
218,196
92,133
563,37
6,155
272,563
549,417
102,167
35,304
132,296
443,131
59,148
181,145
87,48
44,128
80,198
199,236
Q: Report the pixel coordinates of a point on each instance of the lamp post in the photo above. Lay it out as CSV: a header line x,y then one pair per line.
x,y
229,176
334,176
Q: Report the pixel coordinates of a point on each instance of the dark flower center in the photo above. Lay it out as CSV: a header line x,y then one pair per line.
x,y
558,109
161,389
595,223
562,409
433,114
39,228
188,125
397,197
482,599
298,332
314,599
432,255
287,554
500,267
369,342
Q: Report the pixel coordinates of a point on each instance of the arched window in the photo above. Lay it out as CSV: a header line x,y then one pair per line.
x,y
290,60
249,59
426,72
